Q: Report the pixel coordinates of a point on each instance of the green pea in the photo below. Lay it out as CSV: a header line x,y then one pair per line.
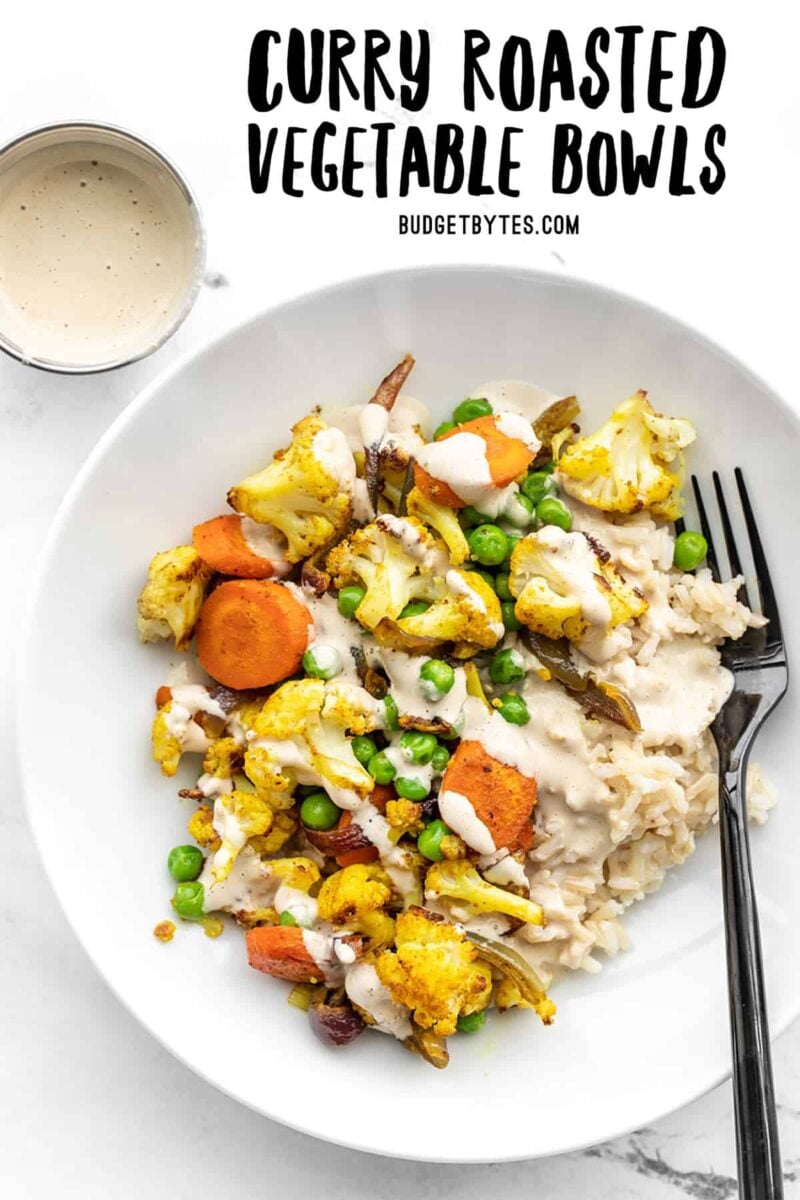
x,y
471,409
507,666
537,485
189,901
472,1022
551,511
488,545
319,812
442,429
509,615
380,768
322,662
512,539
363,748
185,863
414,608
286,918
411,789
391,712
418,747
501,585
514,709
429,842
436,678
440,759
690,550
470,516
349,599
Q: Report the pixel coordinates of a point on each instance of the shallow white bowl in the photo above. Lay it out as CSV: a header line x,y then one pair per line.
x,y
642,1038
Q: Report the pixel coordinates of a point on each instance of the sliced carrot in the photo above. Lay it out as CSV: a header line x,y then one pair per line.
x,y
251,633
222,545
163,696
503,798
279,950
507,457
379,796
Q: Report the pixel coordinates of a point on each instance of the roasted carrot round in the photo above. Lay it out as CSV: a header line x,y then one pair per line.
x,y
221,543
163,696
507,457
252,633
379,796
279,950
503,798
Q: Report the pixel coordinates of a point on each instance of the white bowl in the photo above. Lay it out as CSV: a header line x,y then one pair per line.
x,y
642,1038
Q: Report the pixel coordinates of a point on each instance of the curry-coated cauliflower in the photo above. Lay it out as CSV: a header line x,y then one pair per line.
x,y
434,971
566,586
223,758
201,828
396,559
306,492
170,602
299,873
237,816
301,737
632,462
468,613
167,748
356,898
444,520
459,880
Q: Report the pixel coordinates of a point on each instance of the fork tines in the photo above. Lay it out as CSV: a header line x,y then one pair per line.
x,y
769,606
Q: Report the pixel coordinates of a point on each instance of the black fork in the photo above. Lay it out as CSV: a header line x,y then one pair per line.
x,y
760,677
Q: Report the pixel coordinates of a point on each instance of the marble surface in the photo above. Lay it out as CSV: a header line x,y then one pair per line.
x,y
90,1101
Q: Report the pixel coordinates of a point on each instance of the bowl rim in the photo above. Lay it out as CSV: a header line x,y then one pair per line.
x,y
120,423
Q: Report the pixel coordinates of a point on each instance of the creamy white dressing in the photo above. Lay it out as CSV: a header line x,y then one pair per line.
x,y
212,786
330,448
249,886
677,693
188,699
459,586
513,425
226,825
373,424
460,816
99,248
268,543
405,766
363,512
460,461
403,671
407,535
328,658
331,629
365,990
502,868
500,739
320,948
297,903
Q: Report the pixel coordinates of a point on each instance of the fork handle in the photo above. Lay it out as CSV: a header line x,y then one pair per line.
x,y
757,1144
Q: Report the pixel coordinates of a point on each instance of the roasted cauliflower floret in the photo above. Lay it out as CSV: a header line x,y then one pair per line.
x,y
356,898
405,816
396,559
301,737
634,461
459,880
298,873
468,613
444,520
167,748
237,817
566,586
201,828
306,492
223,758
284,826
170,601
434,971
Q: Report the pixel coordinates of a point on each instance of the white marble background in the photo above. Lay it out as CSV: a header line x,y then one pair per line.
x,y
90,1105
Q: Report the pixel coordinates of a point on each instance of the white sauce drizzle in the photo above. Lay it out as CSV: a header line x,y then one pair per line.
x,y
366,991
330,448
299,904
460,816
268,543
